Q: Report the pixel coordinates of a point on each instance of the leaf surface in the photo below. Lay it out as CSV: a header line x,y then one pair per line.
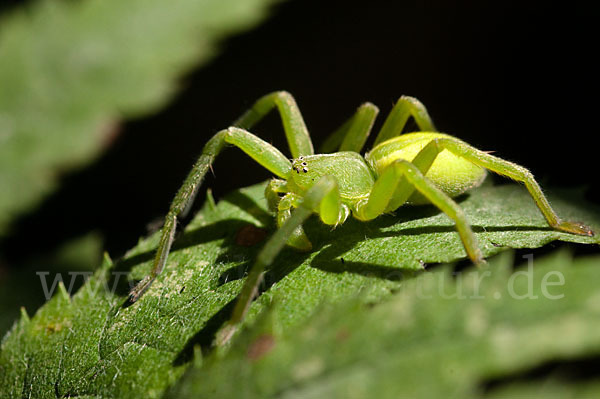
x,y
94,344
438,336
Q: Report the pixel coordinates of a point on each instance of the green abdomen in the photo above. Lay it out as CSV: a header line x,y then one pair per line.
x,y
454,175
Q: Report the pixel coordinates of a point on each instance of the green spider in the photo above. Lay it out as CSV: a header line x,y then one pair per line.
x,y
420,167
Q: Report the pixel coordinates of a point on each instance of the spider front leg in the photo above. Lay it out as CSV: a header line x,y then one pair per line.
x,y
401,178
323,198
281,202
298,238
262,152
293,124
515,172
276,188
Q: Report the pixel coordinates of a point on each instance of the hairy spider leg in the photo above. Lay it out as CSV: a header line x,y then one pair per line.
x,y
262,152
298,238
401,178
396,120
273,192
353,133
294,127
322,198
281,202
514,172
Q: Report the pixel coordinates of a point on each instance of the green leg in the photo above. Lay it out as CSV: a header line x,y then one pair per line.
x,y
282,206
396,120
273,192
293,124
323,198
423,161
298,239
515,172
353,134
385,187
261,151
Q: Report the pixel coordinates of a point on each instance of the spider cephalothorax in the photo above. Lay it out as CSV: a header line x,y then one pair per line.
x,y
418,167
299,165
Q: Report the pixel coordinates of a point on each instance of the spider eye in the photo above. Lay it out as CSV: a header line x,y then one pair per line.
x,y
304,170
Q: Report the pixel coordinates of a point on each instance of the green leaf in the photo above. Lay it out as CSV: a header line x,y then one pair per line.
x,y
439,336
75,260
93,344
71,70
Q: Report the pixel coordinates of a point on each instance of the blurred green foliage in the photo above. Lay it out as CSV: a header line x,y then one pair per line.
x,y
70,71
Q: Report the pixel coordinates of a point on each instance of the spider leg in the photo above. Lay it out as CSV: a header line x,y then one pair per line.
x,y
353,133
402,173
262,152
295,129
515,172
298,238
322,198
396,120
282,206
273,192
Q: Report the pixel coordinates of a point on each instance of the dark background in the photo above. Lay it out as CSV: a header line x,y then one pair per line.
x,y
518,78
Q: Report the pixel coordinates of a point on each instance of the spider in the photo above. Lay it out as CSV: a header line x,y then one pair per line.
x,y
411,168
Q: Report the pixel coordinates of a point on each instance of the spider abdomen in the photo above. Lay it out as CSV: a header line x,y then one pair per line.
x,y
453,174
